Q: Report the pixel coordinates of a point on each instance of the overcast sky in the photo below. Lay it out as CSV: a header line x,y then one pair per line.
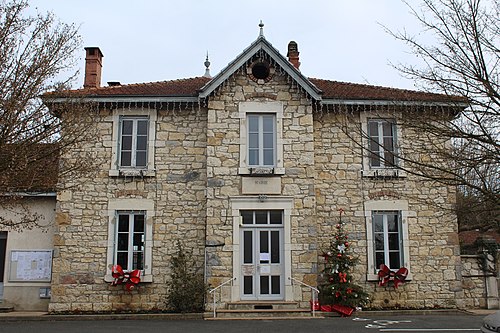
x,y
156,40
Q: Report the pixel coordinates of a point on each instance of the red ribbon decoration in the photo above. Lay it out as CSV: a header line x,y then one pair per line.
x,y
385,275
131,279
343,277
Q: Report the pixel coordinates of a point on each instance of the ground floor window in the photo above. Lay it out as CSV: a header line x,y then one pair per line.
x,y
130,240
388,241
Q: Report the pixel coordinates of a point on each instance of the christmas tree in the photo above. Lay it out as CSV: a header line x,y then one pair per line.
x,y
337,289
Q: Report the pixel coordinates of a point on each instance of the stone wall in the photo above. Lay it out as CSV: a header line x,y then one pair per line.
x,y
177,190
432,227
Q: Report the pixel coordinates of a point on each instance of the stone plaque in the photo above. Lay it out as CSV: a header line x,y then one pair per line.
x,y
261,185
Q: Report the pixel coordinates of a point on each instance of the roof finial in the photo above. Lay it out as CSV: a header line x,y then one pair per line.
x,y
261,25
207,69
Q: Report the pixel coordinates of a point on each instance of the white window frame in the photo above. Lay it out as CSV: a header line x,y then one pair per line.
x,y
272,107
380,171
260,133
133,149
115,168
380,143
400,206
127,205
130,241
386,233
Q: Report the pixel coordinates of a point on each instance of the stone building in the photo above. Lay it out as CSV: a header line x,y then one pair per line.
x,y
248,169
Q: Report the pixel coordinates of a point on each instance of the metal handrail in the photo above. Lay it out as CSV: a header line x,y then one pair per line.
x,y
218,287
313,289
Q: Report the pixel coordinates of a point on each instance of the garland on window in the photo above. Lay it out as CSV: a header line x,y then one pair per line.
x,y
129,279
385,275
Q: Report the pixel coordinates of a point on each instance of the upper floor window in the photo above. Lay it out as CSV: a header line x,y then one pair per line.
x,y
388,241
382,139
261,140
134,142
130,240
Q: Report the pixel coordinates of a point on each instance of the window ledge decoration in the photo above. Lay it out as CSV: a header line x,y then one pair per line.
x,y
129,279
384,173
385,275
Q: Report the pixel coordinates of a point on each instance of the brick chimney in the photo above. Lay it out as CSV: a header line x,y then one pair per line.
x,y
93,67
293,54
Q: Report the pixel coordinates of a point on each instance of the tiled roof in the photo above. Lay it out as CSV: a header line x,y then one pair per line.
x,y
29,168
356,91
182,87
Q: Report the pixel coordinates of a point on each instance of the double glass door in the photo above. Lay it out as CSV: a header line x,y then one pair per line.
x,y
262,256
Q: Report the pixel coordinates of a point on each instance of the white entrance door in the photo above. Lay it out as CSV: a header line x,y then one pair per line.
x,y
262,268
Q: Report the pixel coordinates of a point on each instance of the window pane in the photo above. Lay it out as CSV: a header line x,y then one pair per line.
x,y
122,223
253,157
247,216
247,247
276,217
126,159
264,244
379,241
140,159
268,140
389,158
142,142
275,284
378,223
123,241
138,260
142,127
275,247
139,223
126,142
268,157
373,129
387,128
127,126
122,260
388,144
264,285
253,140
248,285
394,260
268,124
253,124
138,242
392,222
379,259
394,242
261,216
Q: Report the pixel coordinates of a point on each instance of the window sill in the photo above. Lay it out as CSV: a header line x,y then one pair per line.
x,y
132,173
144,279
384,173
374,277
261,171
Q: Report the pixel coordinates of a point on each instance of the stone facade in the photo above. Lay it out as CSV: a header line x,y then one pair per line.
x,y
201,184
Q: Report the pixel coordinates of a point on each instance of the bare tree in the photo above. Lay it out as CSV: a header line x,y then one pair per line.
x,y
456,138
35,51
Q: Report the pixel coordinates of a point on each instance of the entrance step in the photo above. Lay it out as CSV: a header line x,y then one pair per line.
x,y
4,309
261,310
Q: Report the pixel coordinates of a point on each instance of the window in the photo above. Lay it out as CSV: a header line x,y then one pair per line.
x,y
382,139
130,240
261,140
261,137
134,142
130,236
387,236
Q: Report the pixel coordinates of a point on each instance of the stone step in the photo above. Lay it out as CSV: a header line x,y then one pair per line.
x,y
262,313
4,309
262,305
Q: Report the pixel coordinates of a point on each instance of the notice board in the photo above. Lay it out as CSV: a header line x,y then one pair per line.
x,y
30,266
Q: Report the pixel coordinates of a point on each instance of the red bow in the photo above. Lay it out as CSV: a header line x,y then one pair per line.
x,y
385,275
131,279
343,277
